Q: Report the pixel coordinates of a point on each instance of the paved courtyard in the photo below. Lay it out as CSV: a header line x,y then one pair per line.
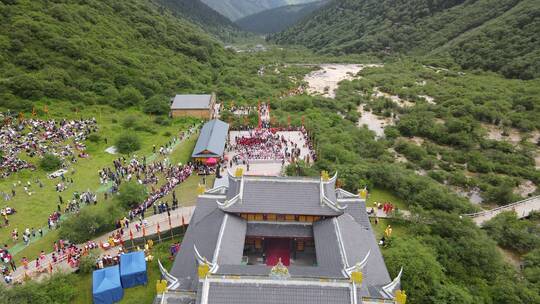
x,y
268,167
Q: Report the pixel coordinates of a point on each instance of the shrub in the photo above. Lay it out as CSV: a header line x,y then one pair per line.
x,y
130,96
56,289
88,224
50,162
145,128
94,137
87,263
129,122
127,143
131,194
166,134
162,121
157,105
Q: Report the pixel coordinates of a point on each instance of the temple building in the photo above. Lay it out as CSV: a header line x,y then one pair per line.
x,y
267,239
211,141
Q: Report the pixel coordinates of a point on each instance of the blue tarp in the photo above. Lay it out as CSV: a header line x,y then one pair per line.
x,y
133,269
106,287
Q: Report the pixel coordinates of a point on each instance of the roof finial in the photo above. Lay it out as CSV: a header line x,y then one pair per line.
x,y
201,189
325,176
279,271
401,297
239,172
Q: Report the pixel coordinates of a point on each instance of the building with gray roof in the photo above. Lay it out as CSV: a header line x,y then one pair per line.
x,y
280,240
211,141
194,105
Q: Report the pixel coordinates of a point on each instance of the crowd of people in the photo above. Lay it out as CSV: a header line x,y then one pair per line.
x,y
269,144
146,174
174,175
36,137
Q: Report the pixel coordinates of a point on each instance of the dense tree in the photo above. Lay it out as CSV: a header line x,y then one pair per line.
x,y
50,162
131,194
157,105
127,143
512,233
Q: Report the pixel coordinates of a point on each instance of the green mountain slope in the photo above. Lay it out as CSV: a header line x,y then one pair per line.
x,y
114,52
278,19
204,16
236,9
474,32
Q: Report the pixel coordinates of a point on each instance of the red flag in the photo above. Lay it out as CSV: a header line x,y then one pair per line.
x,y
302,120
270,117
158,229
143,231
130,234
289,120
183,221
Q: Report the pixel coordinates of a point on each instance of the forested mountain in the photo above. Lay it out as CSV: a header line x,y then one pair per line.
x,y
278,19
115,52
204,16
236,9
498,35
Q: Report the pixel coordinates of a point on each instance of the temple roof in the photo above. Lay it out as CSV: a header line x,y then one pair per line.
x,y
343,240
278,195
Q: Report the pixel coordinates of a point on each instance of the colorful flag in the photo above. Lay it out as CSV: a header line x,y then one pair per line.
x,y
158,229
130,234
143,231
170,225
183,221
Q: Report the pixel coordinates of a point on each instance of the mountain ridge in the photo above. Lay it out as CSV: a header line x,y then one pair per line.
x,y
236,9
423,27
278,19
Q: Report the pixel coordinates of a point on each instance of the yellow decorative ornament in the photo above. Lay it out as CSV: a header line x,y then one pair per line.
x,y
357,277
203,270
401,297
239,172
325,176
363,193
201,189
161,286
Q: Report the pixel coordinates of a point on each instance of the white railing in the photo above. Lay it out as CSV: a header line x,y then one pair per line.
x,y
506,207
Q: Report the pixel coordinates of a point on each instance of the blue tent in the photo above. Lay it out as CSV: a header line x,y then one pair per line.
x,y
133,269
106,287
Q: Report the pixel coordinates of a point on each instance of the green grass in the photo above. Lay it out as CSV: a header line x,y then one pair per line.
x,y
381,196
139,294
32,211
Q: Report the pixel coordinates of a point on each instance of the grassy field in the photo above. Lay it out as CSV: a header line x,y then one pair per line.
x,y
135,295
32,211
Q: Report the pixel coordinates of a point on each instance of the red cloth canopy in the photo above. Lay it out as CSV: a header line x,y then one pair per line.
x,y
211,161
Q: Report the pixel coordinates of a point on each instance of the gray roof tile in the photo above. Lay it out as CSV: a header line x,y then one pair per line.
x,y
191,102
244,293
357,241
232,242
203,232
212,139
276,195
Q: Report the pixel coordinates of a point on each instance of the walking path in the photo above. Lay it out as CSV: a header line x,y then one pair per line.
x,y
522,208
150,229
